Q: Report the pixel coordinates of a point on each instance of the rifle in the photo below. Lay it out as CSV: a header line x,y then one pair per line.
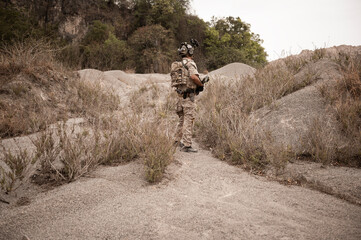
x,y
196,91
204,81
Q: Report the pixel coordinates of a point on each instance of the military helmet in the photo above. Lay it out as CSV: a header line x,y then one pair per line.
x,y
188,48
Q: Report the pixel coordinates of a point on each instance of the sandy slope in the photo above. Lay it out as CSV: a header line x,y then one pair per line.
x,y
201,198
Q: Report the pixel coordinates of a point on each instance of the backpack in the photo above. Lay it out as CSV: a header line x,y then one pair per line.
x,y
179,74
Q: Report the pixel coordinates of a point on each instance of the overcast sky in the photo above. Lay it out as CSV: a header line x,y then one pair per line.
x,y
288,26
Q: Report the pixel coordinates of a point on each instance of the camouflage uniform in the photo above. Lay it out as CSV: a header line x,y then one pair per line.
x,y
186,107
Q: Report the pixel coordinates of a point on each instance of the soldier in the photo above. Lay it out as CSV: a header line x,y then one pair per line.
x,y
186,95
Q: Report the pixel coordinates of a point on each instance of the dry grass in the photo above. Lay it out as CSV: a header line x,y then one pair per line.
x,y
118,138
157,149
345,98
320,140
90,99
225,127
17,166
36,90
66,154
155,124
31,85
223,123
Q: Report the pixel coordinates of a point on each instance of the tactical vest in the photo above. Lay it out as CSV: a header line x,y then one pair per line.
x,y
180,77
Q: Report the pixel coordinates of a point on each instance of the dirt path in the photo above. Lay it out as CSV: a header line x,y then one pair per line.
x,y
201,198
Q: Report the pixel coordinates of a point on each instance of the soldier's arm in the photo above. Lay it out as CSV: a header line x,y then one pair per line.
x,y
194,76
196,80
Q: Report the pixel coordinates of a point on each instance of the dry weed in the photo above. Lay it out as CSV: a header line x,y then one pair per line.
x,y
158,150
31,85
65,154
320,140
222,126
90,99
345,98
17,166
36,90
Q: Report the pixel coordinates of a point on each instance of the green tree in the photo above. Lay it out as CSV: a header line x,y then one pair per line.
x,y
193,27
153,49
230,40
163,12
16,25
103,50
98,33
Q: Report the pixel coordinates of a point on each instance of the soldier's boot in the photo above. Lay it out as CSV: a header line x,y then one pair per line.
x,y
189,149
178,144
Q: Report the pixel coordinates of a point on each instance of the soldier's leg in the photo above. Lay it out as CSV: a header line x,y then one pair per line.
x,y
189,111
179,131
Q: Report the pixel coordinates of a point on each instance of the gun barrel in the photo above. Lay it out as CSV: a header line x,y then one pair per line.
x,y
205,79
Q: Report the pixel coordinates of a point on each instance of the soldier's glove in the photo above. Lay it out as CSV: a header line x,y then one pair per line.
x,y
199,89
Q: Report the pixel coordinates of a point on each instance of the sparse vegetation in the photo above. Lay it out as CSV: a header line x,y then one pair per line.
x,y
33,78
223,125
17,163
30,79
345,98
319,140
224,122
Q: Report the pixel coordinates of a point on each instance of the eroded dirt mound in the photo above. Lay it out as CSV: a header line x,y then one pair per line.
x,y
124,84
233,70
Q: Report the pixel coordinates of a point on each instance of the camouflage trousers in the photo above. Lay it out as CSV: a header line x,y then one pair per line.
x,y
186,111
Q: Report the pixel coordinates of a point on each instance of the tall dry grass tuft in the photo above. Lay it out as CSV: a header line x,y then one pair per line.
x,y
17,166
345,98
321,143
157,150
155,124
90,99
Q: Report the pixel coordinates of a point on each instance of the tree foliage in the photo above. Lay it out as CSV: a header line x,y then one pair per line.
x,y
16,26
137,34
230,40
152,48
101,49
166,13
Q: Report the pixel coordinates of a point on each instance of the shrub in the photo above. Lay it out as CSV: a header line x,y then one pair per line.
x,y
156,46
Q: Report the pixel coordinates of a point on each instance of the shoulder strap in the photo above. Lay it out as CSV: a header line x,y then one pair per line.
x,y
184,65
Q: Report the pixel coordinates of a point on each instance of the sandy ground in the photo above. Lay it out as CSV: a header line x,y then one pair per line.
x,y
200,198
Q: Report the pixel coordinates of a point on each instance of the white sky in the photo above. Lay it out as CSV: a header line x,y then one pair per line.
x,y
289,26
